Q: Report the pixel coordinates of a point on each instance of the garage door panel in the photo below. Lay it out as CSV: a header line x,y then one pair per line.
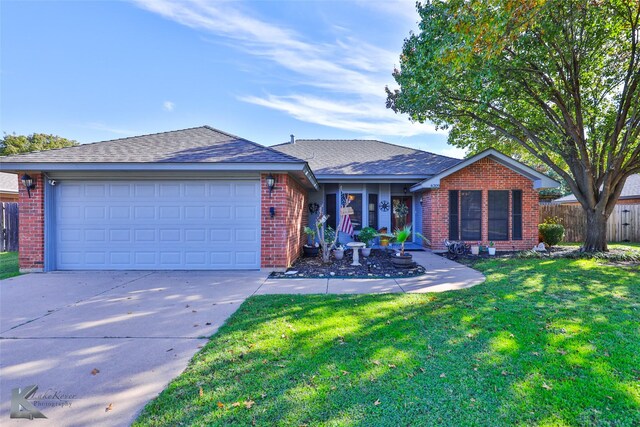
x,y
95,235
145,191
170,190
94,213
158,225
94,190
119,191
195,190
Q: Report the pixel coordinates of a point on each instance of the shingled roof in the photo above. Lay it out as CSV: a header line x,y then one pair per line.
x,y
202,144
365,157
631,190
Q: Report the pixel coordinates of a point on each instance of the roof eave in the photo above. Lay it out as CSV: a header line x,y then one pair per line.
x,y
540,180
301,169
365,178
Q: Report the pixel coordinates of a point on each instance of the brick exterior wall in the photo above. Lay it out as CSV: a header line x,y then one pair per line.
x,y
484,175
31,226
282,236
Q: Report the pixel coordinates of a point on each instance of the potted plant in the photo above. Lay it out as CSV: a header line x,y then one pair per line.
x,y
366,236
338,252
475,249
401,259
384,236
492,249
313,249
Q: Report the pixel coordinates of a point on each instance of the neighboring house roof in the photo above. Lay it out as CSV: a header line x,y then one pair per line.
x,y
199,148
540,180
330,158
631,190
8,182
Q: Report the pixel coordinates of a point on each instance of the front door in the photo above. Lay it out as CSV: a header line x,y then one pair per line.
x,y
400,212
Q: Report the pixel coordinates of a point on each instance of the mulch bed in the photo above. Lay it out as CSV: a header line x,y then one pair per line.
x,y
376,266
560,251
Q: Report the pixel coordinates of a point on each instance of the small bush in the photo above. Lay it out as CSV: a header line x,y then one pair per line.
x,y
552,234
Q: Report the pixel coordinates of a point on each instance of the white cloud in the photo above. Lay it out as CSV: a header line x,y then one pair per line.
x,y
362,116
350,72
168,106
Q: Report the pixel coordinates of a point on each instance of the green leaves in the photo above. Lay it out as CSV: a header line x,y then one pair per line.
x,y
554,82
16,144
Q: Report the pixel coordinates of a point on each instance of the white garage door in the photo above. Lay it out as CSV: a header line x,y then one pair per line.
x,y
148,225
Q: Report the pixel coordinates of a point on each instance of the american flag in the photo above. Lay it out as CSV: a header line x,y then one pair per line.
x,y
346,226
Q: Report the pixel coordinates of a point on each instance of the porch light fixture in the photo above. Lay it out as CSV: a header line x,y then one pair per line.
x,y
404,190
314,208
271,183
28,183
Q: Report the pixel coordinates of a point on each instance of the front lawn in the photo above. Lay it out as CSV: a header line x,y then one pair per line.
x,y
8,265
549,342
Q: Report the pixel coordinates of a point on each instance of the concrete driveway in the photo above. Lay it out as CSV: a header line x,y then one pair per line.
x,y
139,330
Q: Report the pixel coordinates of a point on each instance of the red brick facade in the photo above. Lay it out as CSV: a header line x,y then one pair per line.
x,y
31,226
484,175
282,236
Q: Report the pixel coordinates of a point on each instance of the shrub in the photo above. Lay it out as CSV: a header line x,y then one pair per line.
x,y
552,234
367,235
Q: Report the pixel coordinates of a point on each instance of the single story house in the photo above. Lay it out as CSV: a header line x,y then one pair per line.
x,y
201,198
630,194
8,187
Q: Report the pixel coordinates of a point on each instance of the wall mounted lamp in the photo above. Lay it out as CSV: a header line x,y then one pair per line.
x,y
271,183
28,183
314,208
272,212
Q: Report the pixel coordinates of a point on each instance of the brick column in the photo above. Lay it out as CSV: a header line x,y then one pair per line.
x,y
31,226
282,237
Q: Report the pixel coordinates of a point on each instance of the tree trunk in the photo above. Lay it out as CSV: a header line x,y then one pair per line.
x,y
596,233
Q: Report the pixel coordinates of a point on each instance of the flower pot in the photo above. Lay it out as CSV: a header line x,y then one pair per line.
x,y
366,252
338,253
492,251
402,261
475,250
310,251
385,239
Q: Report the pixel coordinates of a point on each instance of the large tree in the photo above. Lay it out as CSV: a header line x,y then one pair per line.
x,y
559,78
16,144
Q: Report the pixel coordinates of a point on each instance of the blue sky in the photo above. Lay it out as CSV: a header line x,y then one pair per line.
x,y
97,70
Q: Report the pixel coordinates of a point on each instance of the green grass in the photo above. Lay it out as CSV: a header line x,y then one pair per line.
x,y
8,265
552,342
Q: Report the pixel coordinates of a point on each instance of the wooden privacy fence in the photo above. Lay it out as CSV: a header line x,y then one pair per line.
x,y
623,224
8,227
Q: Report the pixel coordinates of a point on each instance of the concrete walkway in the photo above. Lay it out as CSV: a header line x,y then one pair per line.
x,y
139,330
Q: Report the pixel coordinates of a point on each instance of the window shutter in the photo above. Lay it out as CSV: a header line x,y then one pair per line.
x,y
516,214
454,215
